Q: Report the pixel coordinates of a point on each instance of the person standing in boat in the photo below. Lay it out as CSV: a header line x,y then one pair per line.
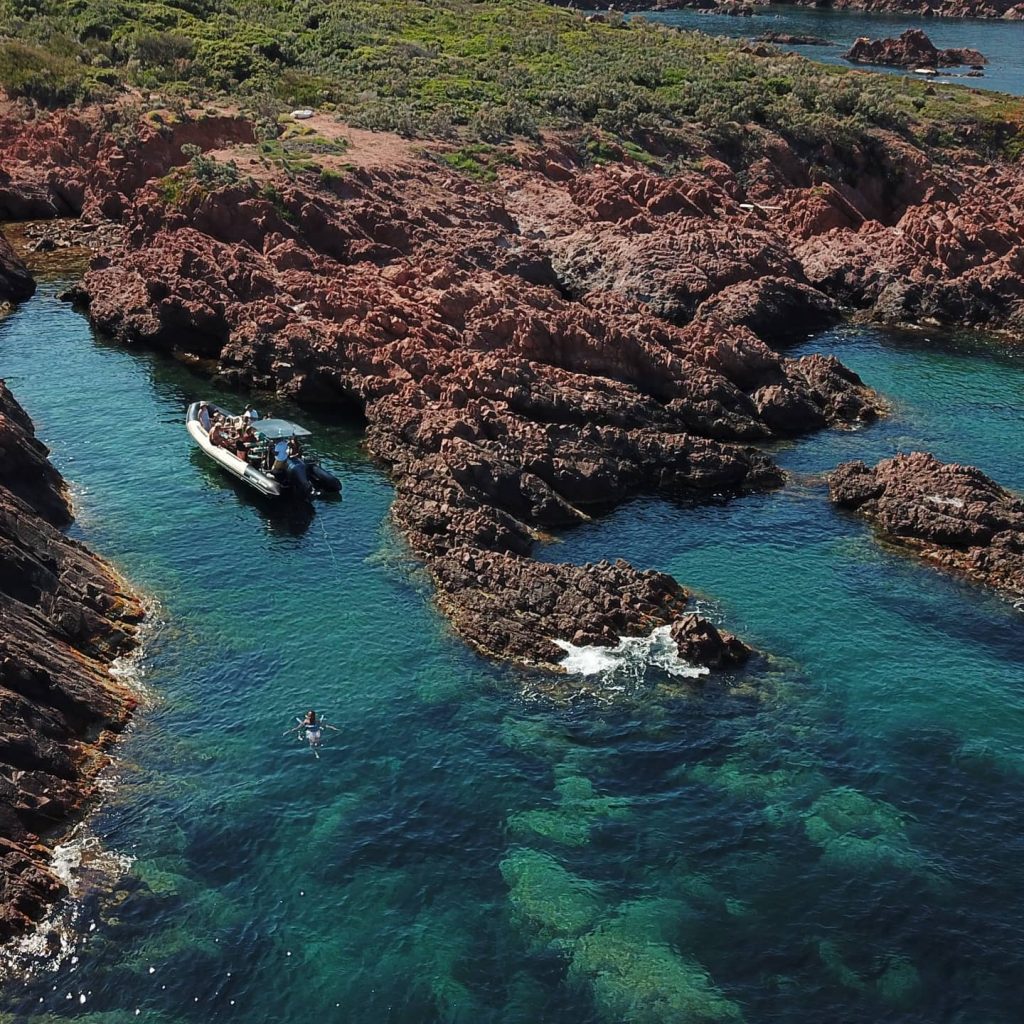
x,y
250,413
204,417
280,449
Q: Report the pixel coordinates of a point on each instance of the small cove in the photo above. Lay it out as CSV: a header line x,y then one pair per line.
x,y
838,838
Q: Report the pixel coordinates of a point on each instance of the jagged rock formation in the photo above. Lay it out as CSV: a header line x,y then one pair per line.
x,y
534,352
15,281
64,617
501,407
953,515
913,49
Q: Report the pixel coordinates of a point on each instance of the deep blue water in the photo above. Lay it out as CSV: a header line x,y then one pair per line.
x,y
1002,42
836,834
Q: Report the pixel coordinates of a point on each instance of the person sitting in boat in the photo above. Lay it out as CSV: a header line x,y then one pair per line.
x,y
294,448
204,417
244,441
219,434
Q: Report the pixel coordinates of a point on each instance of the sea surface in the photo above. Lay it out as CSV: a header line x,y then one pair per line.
x,y
1002,42
835,834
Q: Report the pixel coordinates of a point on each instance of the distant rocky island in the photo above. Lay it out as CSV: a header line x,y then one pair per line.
x,y
913,49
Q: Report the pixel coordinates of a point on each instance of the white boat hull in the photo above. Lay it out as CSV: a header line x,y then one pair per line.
x,y
258,480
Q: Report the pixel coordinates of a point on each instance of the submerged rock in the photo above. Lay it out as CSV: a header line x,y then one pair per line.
x,y
954,516
860,834
578,810
549,902
634,973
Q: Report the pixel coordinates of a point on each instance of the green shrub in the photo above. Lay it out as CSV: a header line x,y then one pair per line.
x,y
36,74
163,48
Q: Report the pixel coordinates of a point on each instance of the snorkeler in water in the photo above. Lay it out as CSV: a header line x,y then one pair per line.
x,y
311,728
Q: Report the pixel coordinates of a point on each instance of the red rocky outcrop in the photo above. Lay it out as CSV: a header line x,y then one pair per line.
x,y
533,352
955,516
15,281
64,616
503,408
913,49
70,164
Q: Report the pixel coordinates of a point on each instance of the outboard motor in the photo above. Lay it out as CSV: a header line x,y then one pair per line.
x,y
322,479
298,480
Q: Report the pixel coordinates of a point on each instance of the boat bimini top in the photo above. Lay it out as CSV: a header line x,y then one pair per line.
x,y
274,430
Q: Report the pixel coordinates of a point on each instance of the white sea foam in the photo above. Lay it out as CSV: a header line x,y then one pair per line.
x,y
627,662
130,668
82,863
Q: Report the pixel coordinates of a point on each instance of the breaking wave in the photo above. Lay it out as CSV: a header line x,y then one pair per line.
x,y
627,663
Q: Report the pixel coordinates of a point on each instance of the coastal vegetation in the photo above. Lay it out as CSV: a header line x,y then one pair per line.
x,y
473,71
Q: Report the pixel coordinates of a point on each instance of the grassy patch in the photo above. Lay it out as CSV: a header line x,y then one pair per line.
x,y
480,160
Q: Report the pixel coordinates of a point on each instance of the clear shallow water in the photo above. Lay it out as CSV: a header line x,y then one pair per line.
x,y
1002,42
837,835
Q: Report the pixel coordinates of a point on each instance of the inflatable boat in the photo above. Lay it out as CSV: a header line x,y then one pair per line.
x,y
297,476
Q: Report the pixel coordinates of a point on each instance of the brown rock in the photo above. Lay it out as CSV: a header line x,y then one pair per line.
x,y
700,643
913,49
953,515
15,281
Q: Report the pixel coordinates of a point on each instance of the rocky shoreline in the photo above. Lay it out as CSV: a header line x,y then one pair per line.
x,y
951,515
66,616
535,351
507,390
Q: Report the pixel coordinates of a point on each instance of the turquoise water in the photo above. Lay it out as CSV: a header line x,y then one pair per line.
x,y
1002,42
835,834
